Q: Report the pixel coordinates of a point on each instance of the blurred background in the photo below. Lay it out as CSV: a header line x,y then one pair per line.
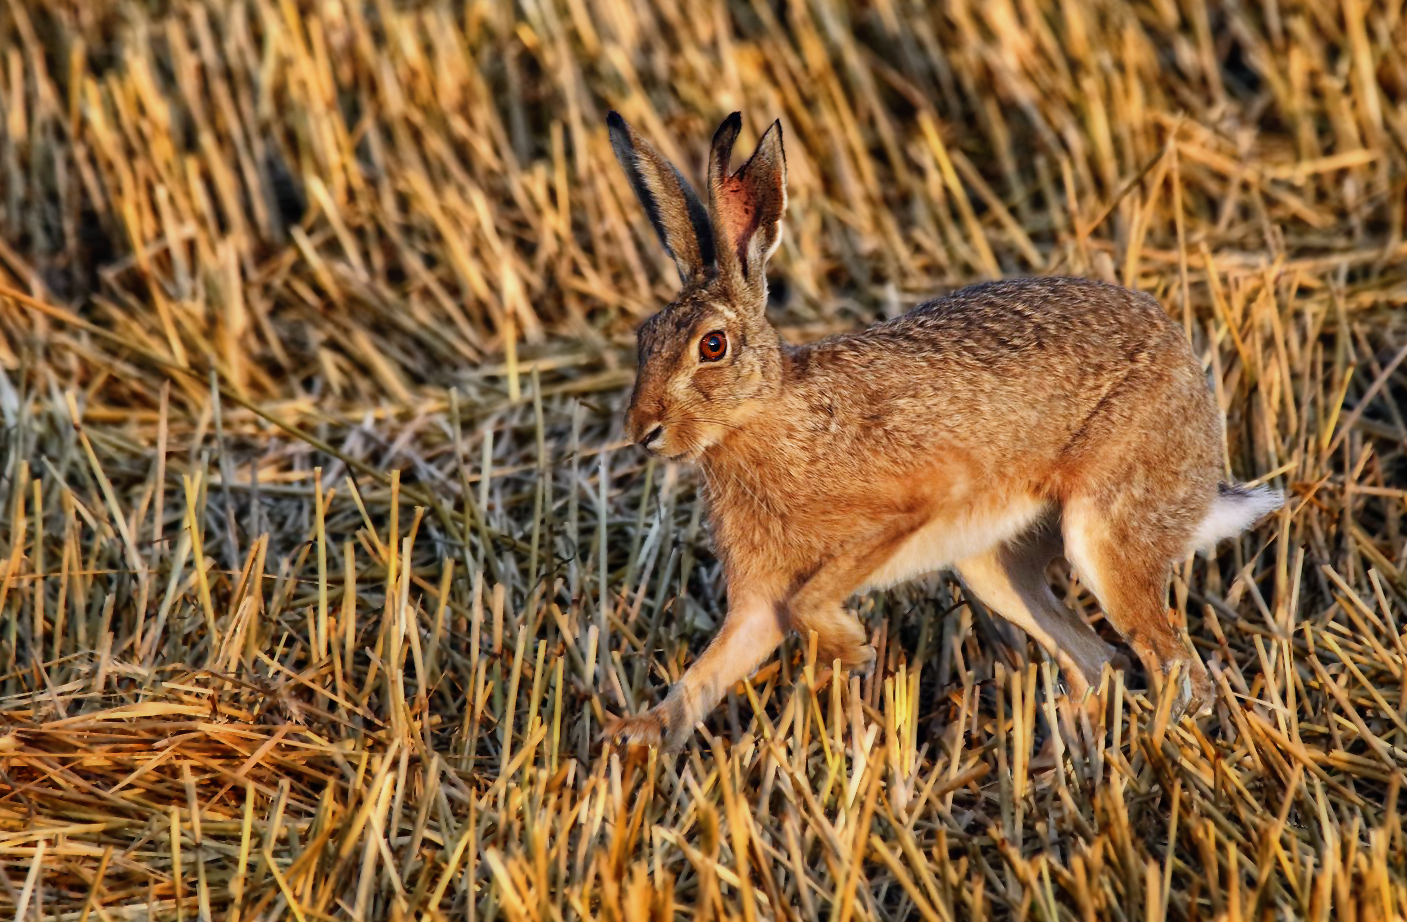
x,y
322,562
365,201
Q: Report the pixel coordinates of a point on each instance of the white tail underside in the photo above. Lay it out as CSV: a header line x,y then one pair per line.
x,y
1235,509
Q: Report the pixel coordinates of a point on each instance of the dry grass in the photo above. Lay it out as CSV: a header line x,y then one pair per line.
x,y
321,564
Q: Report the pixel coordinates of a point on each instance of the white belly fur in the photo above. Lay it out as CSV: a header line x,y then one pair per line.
x,y
946,541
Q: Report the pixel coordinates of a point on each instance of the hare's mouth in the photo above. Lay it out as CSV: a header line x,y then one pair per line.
x,y
680,440
664,443
676,452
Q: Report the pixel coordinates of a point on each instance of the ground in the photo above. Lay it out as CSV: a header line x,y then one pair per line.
x,y
324,563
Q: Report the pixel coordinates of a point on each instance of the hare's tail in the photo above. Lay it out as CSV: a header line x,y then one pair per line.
x,y
1236,507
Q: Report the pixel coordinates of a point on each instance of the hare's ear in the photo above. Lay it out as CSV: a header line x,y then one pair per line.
x,y
674,209
748,205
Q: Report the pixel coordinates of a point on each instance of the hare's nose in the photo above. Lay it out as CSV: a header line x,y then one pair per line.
x,y
650,437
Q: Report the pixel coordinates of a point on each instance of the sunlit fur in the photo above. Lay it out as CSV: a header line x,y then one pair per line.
x,y
696,402
988,431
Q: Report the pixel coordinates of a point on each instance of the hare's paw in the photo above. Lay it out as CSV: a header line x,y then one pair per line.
x,y
863,661
1200,693
1194,695
647,729
662,727
858,659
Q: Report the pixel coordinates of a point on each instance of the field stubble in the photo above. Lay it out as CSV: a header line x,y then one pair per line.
x,y
322,563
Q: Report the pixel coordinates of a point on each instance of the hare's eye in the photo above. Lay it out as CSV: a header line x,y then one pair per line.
x,y
713,346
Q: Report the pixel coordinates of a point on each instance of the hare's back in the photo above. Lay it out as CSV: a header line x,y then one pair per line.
x,y
1057,338
1017,319
1032,367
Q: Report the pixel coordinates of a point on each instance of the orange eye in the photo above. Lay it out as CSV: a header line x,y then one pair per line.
x,y
713,346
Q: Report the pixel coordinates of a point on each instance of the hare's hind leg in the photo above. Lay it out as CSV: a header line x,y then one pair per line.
x,y
1011,580
1123,551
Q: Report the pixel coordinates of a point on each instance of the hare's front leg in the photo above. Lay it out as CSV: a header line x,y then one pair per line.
x,y
839,635
752,630
816,605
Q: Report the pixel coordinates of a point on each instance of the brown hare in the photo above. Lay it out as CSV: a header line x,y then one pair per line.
x,y
988,431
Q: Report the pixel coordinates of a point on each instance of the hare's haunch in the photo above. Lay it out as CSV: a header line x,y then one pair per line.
x,y
989,431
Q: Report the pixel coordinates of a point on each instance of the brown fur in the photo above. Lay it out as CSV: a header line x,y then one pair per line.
x,y
990,430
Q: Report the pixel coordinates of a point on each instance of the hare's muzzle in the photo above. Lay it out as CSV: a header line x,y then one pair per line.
x,y
642,426
644,432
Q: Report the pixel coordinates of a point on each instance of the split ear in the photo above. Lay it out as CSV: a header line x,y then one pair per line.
x,y
748,205
674,208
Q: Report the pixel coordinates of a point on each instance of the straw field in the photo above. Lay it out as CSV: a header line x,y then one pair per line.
x,y
323,563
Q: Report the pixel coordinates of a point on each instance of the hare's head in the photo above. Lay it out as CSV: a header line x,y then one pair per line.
x,y
708,358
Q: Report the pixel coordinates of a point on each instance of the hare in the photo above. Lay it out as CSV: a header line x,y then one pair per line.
x,y
988,431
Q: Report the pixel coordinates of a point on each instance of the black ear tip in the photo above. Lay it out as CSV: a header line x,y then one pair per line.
x,y
621,141
730,128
